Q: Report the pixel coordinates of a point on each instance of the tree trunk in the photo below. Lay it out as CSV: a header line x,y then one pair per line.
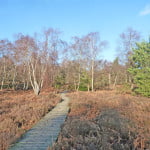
x,y
36,91
24,85
88,87
126,79
79,80
27,85
36,88
92,79
4,75
115,82
2,84
109,80
13,82
75,86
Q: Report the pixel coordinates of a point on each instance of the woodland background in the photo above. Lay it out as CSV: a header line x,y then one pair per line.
x,y
45,60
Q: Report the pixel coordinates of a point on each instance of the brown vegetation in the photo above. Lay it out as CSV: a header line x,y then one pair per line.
x,y
107,119
20,110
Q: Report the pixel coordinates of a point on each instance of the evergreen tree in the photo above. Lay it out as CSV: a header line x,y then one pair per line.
x,y
141,68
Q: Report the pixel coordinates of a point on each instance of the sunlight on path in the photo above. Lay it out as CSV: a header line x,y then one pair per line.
x,y
46,131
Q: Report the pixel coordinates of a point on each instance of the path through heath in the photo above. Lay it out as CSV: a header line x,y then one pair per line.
x,y
46,131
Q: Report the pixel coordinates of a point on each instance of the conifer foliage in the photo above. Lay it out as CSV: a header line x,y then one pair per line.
x,y
141,68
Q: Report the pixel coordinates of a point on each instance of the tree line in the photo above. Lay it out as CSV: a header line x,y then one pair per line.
x,y
45,60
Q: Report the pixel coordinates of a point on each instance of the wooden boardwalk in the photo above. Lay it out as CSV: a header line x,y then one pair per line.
x,y
46,131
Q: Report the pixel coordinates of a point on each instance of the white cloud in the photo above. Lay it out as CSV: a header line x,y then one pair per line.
x,y
145,11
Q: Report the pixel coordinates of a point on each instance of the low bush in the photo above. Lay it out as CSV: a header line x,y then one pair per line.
x,y
19,111
106,120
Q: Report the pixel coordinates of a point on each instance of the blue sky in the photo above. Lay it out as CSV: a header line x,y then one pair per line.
x,y
76,18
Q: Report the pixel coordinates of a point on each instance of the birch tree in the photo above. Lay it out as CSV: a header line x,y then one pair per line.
x,y
94,46
128,41
6,65
28,54
78,53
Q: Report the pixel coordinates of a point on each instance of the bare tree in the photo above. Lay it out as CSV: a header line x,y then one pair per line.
x,y
53,47
29,57
128,41
7,64
37,58
94,46
78,52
